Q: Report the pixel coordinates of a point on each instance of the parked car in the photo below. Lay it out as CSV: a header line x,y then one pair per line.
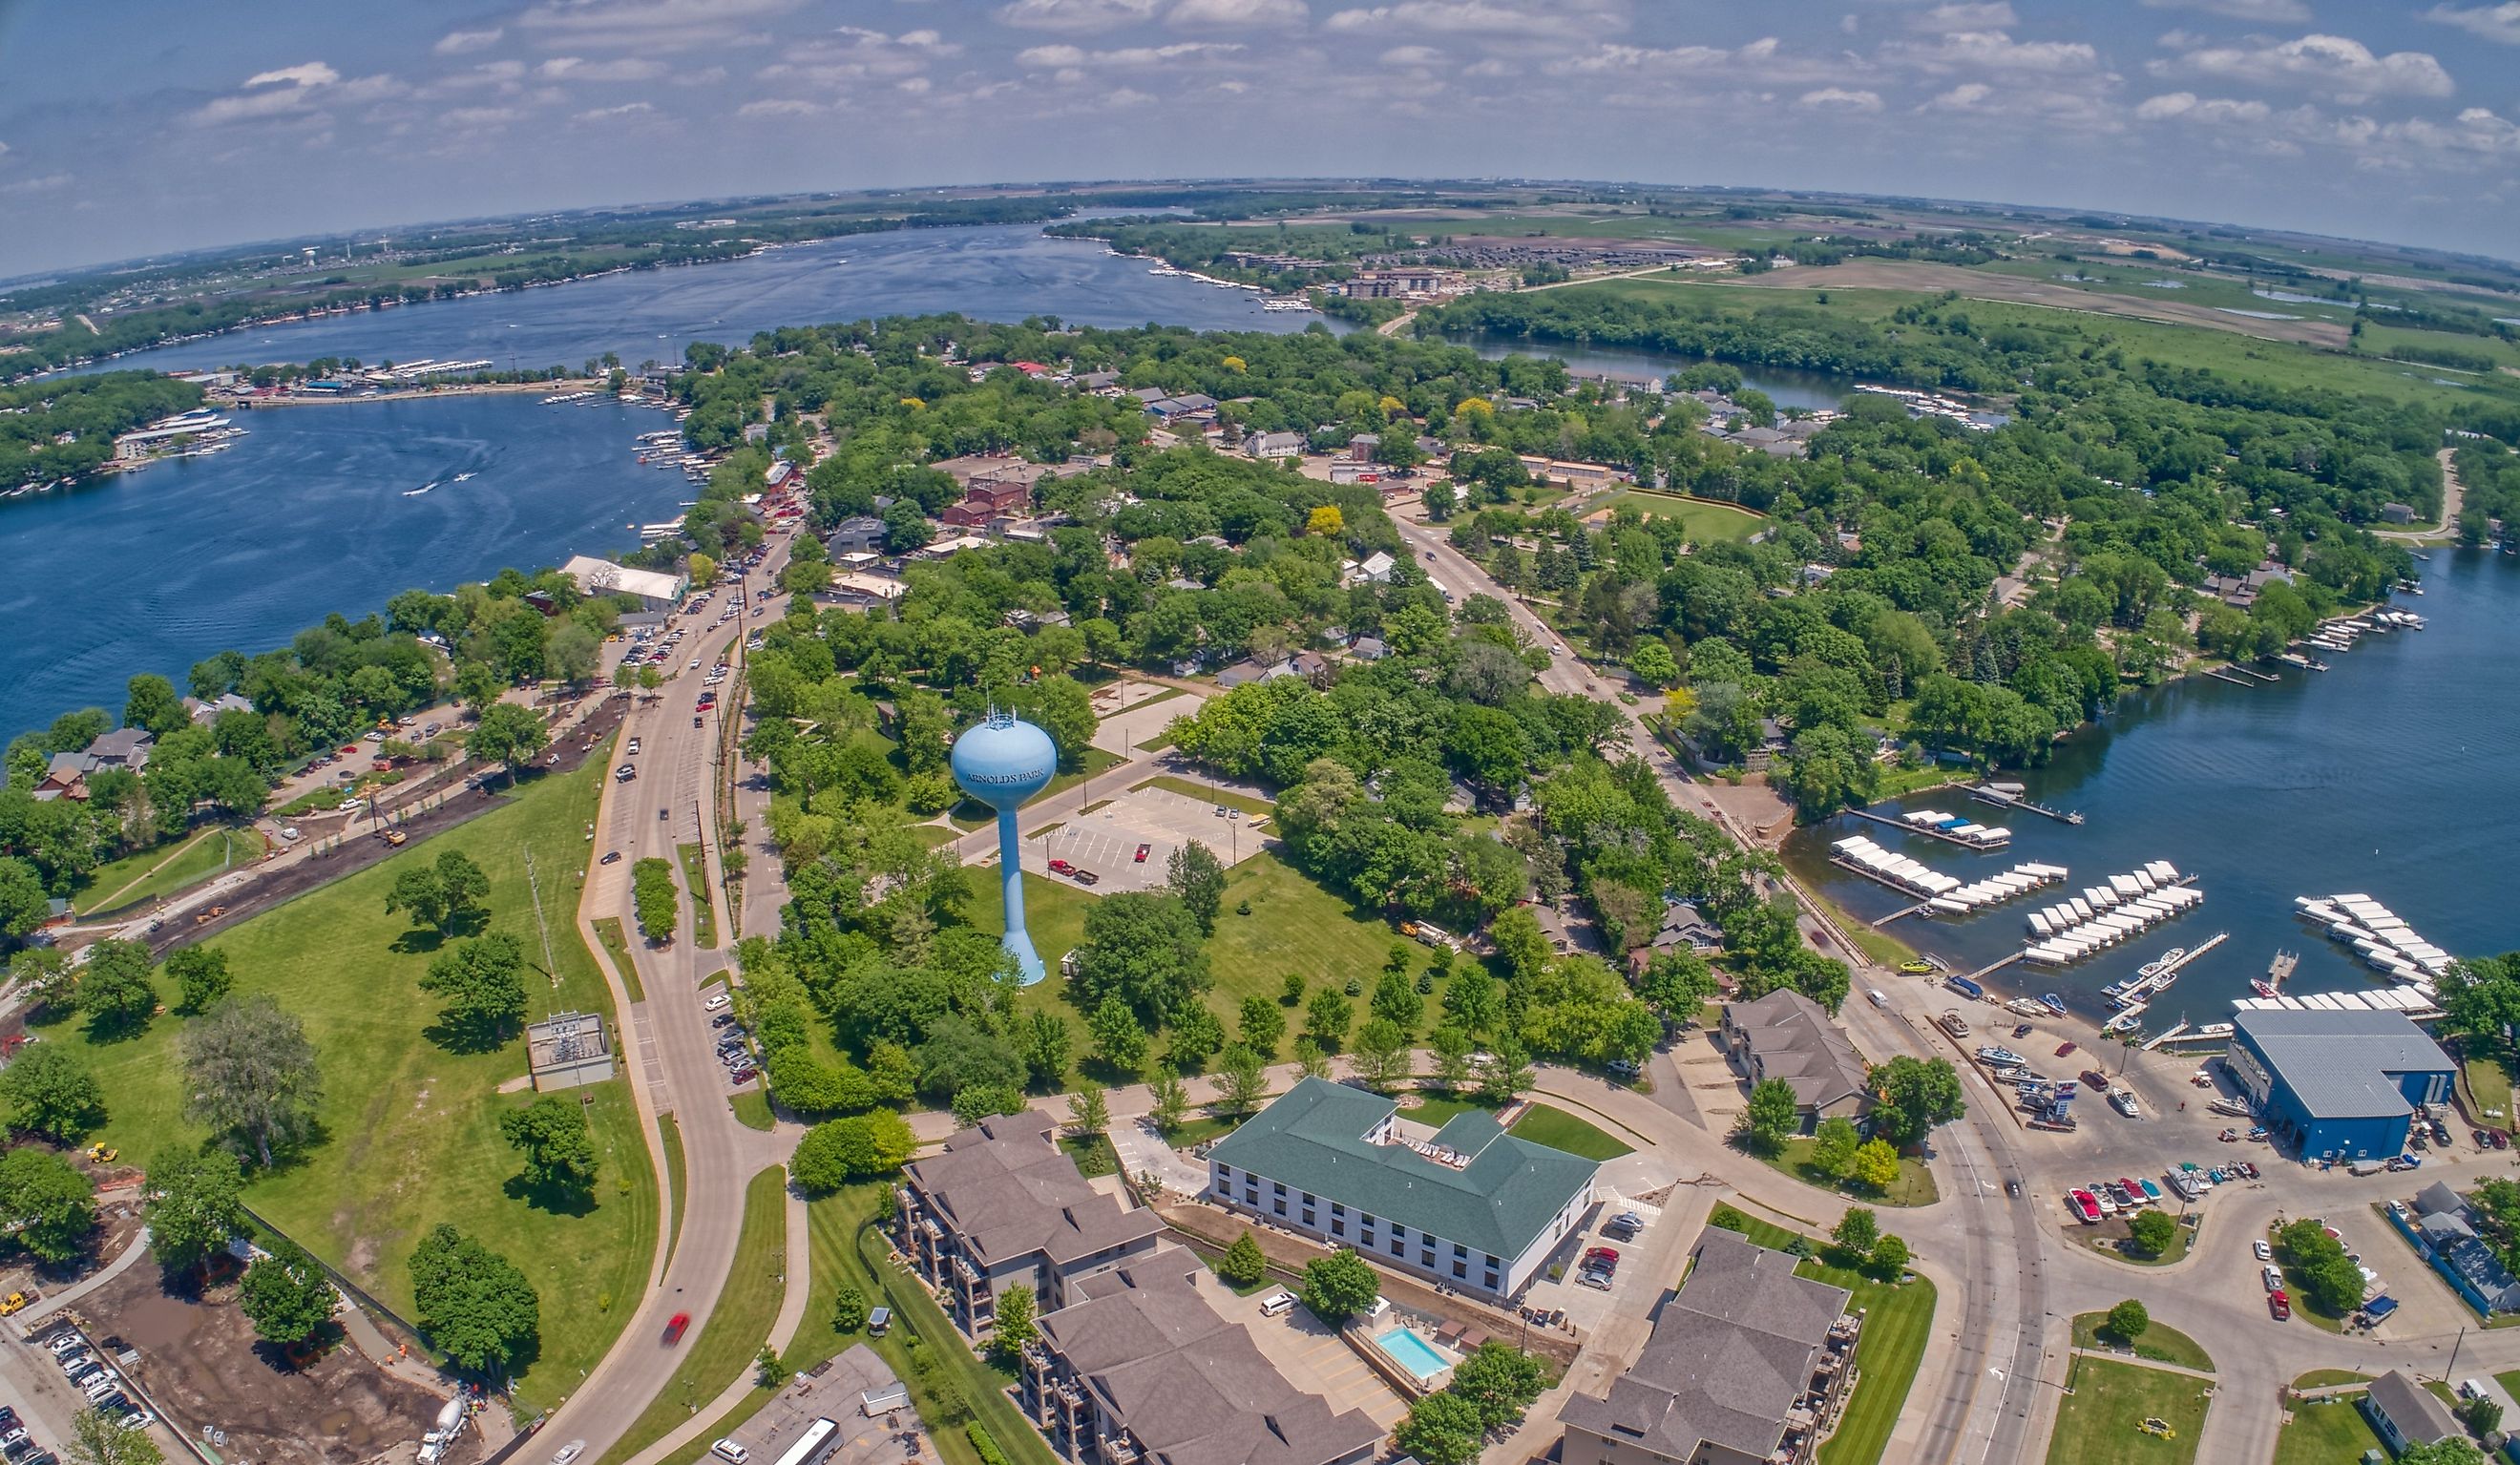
x,y
715,1004
1142,850
1061,868
2280,1304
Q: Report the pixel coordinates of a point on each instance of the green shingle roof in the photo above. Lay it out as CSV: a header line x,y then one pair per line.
x,y
1313,1139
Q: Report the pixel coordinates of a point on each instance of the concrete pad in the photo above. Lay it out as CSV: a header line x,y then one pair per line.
x,y
1312,1357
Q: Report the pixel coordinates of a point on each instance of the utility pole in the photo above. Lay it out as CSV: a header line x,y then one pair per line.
x,y
2451,1372
551,968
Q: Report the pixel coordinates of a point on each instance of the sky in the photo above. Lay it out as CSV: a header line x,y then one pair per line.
x,y
135,126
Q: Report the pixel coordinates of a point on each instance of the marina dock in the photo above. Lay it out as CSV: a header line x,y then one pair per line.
x,y
2114,912
2220,675
1935,824
2004,799
1943,894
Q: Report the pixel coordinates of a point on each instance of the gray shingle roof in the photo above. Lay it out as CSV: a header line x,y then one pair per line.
x,y
1313,1139
1731,1353
1788,1037
2339,1065
1011,1193
2413,1408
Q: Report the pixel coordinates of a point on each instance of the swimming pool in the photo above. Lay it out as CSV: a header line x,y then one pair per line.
x,y
1413,1353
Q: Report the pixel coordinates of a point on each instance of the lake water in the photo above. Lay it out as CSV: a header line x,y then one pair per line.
x,y
309,514
2390,774
996,273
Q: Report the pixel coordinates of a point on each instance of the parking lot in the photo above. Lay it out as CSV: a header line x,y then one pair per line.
x,y
1159,821
836,1395
1587,1307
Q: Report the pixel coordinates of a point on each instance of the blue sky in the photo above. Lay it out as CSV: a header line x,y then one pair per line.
x,y
131,126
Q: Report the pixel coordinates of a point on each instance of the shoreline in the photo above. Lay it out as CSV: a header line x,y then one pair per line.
x,y
465,389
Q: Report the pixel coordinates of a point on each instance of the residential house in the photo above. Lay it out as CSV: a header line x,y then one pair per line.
x,y
2445,1230
1686,929
1468,1205
2405,1413
2398,513
1788,1037
209,712
1748,1364
1004,1206
1271,445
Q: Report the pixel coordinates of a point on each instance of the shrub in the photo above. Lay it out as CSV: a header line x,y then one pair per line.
x,y
987,1448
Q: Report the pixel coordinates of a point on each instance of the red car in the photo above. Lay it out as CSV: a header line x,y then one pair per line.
x,y
1603,1254
2280,1304
2063,1049
1142,850
674,1327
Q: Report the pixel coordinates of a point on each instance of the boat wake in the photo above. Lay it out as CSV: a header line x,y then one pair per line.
x,y
413,493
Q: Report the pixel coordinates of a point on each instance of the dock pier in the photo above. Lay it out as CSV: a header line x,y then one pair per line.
x,y
2001,800
1931,833
2220,675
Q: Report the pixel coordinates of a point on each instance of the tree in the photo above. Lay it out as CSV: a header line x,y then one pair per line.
x,y
1326,520
113,987
1507,1074
1242,1082
1915,1095
1770,1116
1170,1101
2128,1320
1143,948
1014,1326
1442,1429
472,1303
1889,1257
1383,1055
848,1309
2446,1451
859,1148
1326,1016
1310,1058
1047,1043
50,1205
101,1439
2330,1280
285,1296
1453,1051
1243,1264
1519,941
1857,1230
1500,1381
559,1148
1119,1041
1089,1110
483,983
1338,1286
1197,1036
464,889
194,1205
200,974
1652,663
50,1091
1833,1146
1261,1025
1196,879
1471,1000
1396,1001
1290,990
1874,1167
2482,1416
652,899
24,904
507,734
151,702
250,1075
2152,1231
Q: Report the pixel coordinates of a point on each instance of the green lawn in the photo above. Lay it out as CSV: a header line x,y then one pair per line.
x,y
2161,1344
163,869
2322,1378
1542,1124
703,909
721,1345
1913,1188
1703,521
2111,1239
2489,1088
608,930
2302,1307
2098,1423
753,1108
672,1131
1899,1320
410,1129
2327,1432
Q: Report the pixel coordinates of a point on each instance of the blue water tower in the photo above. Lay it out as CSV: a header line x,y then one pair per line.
x,y
1002,762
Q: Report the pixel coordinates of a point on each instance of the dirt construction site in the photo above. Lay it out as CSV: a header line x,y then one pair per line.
x,y
1106,839
204,1369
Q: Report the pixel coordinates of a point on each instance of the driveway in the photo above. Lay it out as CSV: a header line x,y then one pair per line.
x,y
1142,1151
1312,1357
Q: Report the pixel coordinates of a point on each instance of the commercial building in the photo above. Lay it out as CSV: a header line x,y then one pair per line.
x,y
1787,1036
1468,1205
1269,445
654,589
1003,1206
1140,1366
2344,1084
1748,1364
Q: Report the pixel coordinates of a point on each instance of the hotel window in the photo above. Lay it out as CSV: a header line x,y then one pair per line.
x,y
1427,1258
1490,1281
1337,1208
1399,1248
1225,1174
1279,1205
1278,1189
1338,1227
1462,1270
1459,1252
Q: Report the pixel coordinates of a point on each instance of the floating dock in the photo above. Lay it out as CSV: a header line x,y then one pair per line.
x,y
1933,823
2386,944
2006,799
2106,915
1944,895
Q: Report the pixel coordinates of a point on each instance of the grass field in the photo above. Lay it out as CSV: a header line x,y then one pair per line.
x,y
2113,1239
1704,522
753,1108
721,1345
1543,1124
410,1130
672,1132
2321,1378
2159,1344
696,879
1899,1320
2098,1424
608,930
161,870
1295,926
2327,1432
2488,1077
1913,1188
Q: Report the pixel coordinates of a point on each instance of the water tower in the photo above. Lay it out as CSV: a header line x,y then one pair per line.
x,y
1001,763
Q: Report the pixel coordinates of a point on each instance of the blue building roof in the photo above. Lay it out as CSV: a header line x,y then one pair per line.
x,y
2343,1065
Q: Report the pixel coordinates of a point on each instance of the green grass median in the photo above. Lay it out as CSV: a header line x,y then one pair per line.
x,y
722,1346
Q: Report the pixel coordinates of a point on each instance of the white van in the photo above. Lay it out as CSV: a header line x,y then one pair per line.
x,y
729,1450
1879,997
1279,1303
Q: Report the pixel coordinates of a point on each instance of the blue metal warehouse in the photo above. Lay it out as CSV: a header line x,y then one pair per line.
x,y
2341,1084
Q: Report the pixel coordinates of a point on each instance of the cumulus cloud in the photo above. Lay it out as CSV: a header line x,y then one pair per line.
x,y
620,68
292,91
1961,16
853,54
1239,15
2495,22
645,24
1127,57
2240,10
1840,99
2336,65
1991,51
614,114
311,73
1076,15
1477,17
1968,96
462,42
2187,106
